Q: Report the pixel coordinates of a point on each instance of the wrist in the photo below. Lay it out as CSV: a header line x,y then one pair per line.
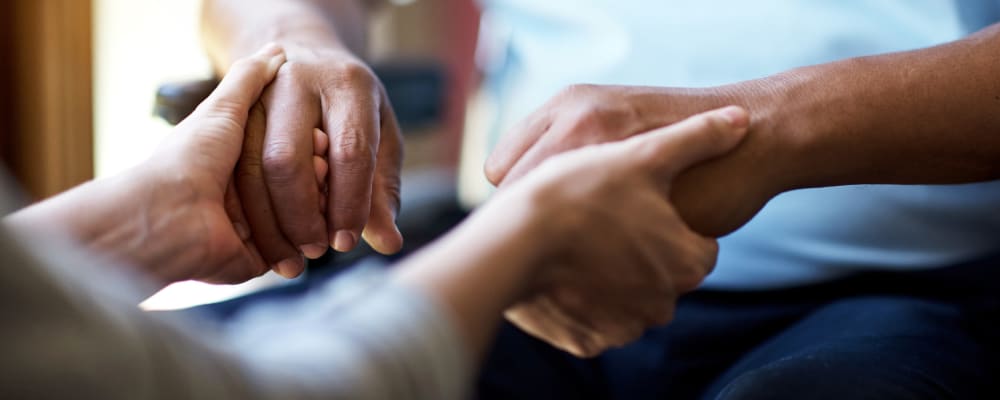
x,y
521,232
294,25
781,127
146,220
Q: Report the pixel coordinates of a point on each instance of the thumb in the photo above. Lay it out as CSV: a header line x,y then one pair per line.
x,y
674,148
211,138
230,102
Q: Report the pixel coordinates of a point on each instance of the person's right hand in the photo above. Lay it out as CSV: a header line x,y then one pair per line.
x,y
321,99
715,198
616,254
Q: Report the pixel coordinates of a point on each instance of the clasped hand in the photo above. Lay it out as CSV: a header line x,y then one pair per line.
x,y
614,254
617,254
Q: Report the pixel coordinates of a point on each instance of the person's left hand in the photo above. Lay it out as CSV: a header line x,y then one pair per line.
x,y
192,176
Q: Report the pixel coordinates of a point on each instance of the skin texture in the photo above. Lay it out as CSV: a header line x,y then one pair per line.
x,y
176,217
325,86
925,116
561,289
928,116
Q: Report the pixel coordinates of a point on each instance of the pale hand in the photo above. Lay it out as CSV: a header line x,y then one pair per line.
x,y
618,255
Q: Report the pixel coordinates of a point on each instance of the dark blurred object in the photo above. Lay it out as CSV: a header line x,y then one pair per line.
x,y
175,101
416,91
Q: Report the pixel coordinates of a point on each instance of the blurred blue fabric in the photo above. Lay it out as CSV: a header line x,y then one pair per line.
x,y
531,49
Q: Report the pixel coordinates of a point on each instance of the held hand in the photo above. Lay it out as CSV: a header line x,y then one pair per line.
x,y
618,255
191,179
324,106
713,197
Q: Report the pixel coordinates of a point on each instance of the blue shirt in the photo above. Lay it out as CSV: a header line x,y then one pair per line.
x,y
531,49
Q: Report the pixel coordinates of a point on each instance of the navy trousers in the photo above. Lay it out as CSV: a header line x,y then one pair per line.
x,y
913,335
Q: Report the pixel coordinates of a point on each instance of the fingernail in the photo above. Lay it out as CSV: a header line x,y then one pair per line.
x,y
241,230
735,116
289,267
344,241
313,251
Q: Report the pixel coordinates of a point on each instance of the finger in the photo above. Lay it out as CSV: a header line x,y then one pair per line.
x,y
542,319
216,127
381,232
354,126
243,266
292,116
544,148
320,168
234,209
515,143
274,248
247,263
321,142
675,148
243,84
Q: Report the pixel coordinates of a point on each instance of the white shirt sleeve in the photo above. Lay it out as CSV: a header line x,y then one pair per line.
x,y
73,330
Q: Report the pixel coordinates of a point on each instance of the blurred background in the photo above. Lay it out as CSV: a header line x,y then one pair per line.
x,y
79,92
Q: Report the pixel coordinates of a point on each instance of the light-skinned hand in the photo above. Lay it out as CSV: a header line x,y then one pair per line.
x,y
617,253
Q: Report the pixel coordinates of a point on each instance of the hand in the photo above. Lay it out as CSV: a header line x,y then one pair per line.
x,y
321,96
190,178
617,254
714,197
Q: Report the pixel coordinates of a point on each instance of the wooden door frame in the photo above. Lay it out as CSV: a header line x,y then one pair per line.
x,y
47,89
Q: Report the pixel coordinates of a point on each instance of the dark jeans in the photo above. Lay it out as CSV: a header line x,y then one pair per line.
x,y
922,335
913,335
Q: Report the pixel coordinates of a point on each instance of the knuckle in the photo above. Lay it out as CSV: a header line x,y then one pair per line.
x,y
292,70
226,113
352,153
576,90
707,124
586,118
356,74
280,160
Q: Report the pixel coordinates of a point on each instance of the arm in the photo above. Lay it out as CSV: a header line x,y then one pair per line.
x,y
175,216
325,87
413,336
927,116
923,116
233,29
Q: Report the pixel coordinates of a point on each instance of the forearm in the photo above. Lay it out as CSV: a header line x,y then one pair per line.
x,y
930,116
480,269
382,342
135,225
235,28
